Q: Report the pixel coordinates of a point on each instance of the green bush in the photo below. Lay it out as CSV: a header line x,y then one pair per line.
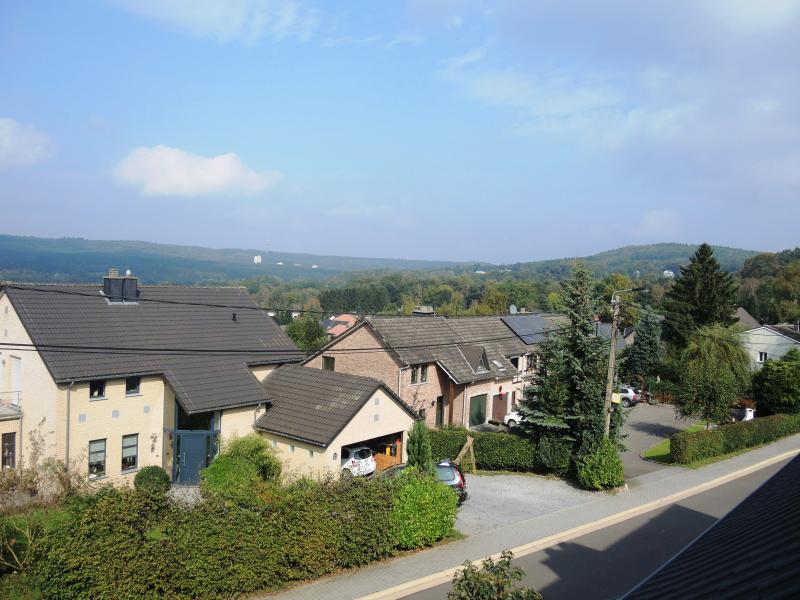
x,y
776,386
231,477
494,451
494,581
152,479
555,454
690,446
424,510
255,449
600,468
113,546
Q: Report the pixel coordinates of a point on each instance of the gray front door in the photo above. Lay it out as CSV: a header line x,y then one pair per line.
x,y
477,410
192,456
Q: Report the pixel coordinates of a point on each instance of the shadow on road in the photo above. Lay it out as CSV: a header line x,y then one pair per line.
x,y
608,572
657,429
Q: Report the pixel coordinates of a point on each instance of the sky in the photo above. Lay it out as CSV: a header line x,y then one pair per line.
x,y
440,129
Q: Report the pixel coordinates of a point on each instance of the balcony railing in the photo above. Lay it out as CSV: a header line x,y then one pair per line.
x,y
10,399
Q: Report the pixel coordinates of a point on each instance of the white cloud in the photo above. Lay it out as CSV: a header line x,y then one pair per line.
x,y
659,223
165,171
22,145
228,20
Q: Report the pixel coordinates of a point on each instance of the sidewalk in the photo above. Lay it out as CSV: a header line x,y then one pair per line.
x,y
643,490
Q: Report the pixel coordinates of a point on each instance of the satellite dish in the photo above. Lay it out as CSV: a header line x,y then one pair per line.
x,y
512,310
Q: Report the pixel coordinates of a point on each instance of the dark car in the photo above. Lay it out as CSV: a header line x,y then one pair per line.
x,y
447,472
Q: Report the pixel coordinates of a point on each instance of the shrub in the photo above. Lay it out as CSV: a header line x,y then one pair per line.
x,y
424,510
255,449
231,477
153,480
690,446
600,468
776,387
494,451
19,536
494,581
555,454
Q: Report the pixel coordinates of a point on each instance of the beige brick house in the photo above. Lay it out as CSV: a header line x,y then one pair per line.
x,y
451,371
112,378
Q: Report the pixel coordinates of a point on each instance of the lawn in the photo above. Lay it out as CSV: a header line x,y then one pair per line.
x,y
661,451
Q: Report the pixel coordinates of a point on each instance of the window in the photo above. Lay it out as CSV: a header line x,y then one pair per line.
x,y
311,453
515,362
414,374
97,388
130,451
97,459
513,399
377,400
132,385
328,363
9,450
762,357
422,412
424,374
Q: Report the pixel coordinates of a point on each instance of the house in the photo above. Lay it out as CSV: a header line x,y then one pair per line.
x,y
450,371
337,325
115,377
744,320
311,415
769,342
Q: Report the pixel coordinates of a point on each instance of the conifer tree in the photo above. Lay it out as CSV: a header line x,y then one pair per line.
x,y
420,454
703,294
645,353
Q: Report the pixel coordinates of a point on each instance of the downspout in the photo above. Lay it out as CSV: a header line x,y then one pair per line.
x,y
66,436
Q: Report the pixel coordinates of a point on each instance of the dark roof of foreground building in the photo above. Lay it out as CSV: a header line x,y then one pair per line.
x,y
313,406
752,552
745,320
785,330
184,320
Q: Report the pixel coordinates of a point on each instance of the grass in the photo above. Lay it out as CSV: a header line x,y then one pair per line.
x,y
660,453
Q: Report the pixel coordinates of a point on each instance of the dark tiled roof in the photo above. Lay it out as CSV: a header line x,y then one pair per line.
x,y
81,316
531,328
785,330
752,552
313,405
603,330
418,340
745,320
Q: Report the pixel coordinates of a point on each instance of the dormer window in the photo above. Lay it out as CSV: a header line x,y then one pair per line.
x,y
483,365
97,388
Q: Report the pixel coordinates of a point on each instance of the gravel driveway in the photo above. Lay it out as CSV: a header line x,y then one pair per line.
x,y
496,500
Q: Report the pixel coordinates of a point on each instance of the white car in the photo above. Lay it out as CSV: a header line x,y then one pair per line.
x,y
512,419
628,396
357,461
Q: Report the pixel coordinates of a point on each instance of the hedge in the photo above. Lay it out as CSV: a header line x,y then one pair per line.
x,y
601,468
119,544
494,451
690,446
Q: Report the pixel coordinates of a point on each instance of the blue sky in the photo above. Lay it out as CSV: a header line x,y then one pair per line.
x,y
442,129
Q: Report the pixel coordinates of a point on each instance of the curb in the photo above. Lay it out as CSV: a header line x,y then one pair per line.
x,y
429,581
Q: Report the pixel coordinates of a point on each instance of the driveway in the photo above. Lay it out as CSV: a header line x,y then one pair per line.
x,y
497,500
646,426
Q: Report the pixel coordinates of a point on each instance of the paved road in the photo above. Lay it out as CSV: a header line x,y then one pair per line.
x,y
646,426
609,562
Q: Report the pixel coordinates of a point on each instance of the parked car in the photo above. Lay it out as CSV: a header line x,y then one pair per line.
x,y
512,419
447,472
357,461
628,396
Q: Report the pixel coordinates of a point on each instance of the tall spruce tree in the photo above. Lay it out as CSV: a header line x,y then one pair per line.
x,y
645,354
568,390
703,294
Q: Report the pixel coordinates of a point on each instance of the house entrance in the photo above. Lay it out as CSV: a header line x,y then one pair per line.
x,y
499,406
477,410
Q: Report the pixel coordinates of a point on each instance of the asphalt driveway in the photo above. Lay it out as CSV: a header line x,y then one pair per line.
x,y
646,426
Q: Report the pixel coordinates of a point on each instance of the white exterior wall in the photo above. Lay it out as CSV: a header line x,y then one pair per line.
x,y
763,339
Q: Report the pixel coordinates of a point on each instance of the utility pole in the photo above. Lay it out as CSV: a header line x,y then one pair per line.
x,y
612,357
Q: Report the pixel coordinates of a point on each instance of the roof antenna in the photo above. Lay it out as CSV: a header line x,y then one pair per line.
x,y
233,316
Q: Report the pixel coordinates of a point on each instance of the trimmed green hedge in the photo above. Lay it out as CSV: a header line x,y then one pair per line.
x,y
600,469
494,451
690,446
118,544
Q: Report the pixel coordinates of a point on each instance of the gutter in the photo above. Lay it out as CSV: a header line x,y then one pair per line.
x,y
66,442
